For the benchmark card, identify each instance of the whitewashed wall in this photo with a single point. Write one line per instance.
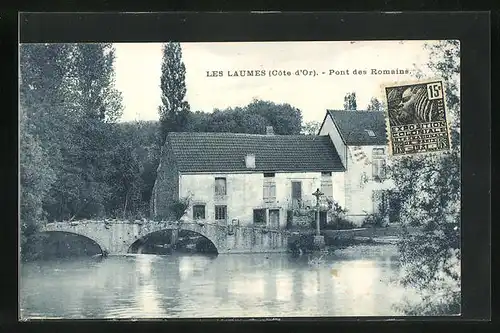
(330, 130)
(359, 184)
(245, 192)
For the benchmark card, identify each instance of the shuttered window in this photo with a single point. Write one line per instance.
(220, 186)
(269, 190)
(378, 163)
(327, 185)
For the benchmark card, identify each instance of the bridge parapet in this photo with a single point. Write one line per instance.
(116, 236)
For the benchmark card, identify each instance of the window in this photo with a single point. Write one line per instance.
(199, 212)
(259, 216)
(378, 152)
(269, 188)
(378, 164)
(221, 213)
(220, 186)
(327, 188)
(269, 194)
(370, 132)
(326, 173)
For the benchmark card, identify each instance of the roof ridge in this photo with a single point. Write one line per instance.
(245, 134)
(334, 110)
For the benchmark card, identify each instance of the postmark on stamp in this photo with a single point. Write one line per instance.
(417, 118)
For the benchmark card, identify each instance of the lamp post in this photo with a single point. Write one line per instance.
(319, 240)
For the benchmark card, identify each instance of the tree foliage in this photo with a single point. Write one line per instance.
(311, 127)
(375, 105)
(252, 119)
(174, 111)
(69, 105)
(36, 177)
(429, 188)
(95, 78)
(350, 103)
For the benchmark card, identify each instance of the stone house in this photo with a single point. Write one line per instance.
(248, 179)
(360, 139)
(266, 179)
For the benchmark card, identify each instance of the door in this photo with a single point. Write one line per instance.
(274, 218)
(296, 193)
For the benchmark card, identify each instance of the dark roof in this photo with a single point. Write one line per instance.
(354, 127)
(220, 152)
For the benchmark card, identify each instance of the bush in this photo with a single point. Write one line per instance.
(375, 220)
(303, 242)
(178, 208)
(340, 223)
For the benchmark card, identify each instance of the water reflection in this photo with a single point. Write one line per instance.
(151, 286)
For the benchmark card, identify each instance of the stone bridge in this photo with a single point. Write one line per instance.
(116, 237)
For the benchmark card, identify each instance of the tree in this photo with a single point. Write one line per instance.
(94, 77)
(350, 101)
(375, 105)
(70, 101)
(36, 178)
(284, 118)
(429, 188)
(251, 119)
(47, 97)
(311, 128)
(135, 159)
(174, 111)
(100, 105)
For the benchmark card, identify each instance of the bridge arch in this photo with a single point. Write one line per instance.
(204, 245)
(94, 231)
(102, 248)
(208, 232)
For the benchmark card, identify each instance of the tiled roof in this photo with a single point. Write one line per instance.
(226, 152)
(355, 127)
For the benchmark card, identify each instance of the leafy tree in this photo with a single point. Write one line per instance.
(375, 105)
(70, 101)
(429, 188)
(311, 127)
(174, 111)
(284, 118)
(95, 81)
(48, 103)
(350, 101)
(36, 178)
(251, 119)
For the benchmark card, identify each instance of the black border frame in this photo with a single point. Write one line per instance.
(472, 29)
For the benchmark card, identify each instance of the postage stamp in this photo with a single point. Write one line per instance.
(417, 119)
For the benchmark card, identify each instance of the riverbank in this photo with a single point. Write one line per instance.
(338, 239)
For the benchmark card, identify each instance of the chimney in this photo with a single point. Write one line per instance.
(269, 130)
(250, 161)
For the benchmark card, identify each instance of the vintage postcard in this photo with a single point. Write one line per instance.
(239, 179)
(417, 121)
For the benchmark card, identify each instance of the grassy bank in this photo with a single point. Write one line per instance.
(335, 239)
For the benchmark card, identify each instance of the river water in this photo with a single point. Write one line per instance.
(356, 281)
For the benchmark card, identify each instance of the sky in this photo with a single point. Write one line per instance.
(138, 70)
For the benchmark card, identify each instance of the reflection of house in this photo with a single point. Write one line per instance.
(360, 138)
(258, 179)
(253, 178)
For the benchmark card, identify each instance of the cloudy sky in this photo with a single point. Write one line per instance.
(138, 70)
